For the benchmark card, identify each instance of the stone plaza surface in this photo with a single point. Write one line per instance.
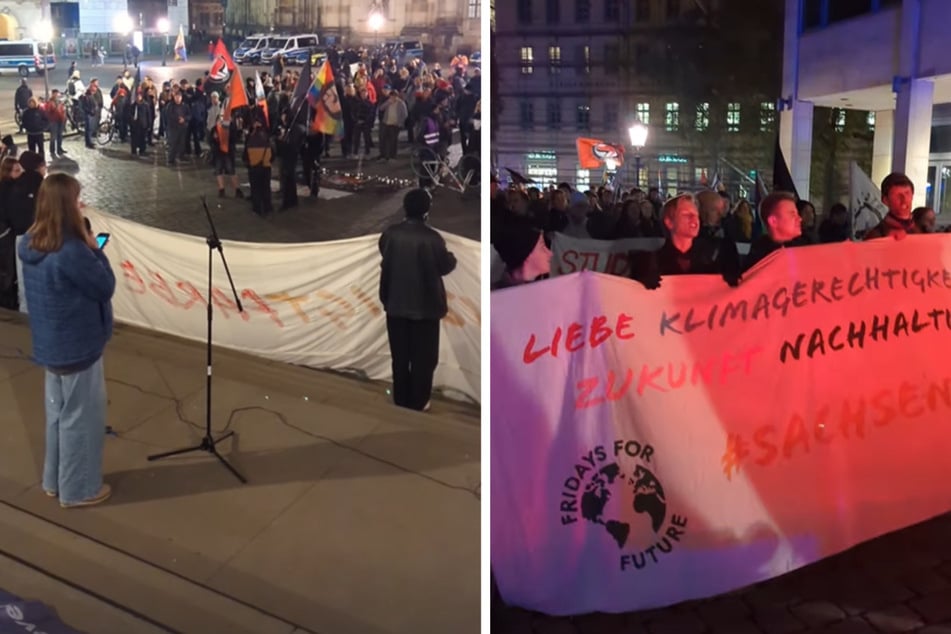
(358, 517)
(900, 582)
(147, 191)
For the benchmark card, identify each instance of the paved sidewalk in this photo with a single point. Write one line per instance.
(900, 582)
(359, 517)
(149, 192)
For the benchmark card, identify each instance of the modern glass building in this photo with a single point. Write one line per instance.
(889, 57)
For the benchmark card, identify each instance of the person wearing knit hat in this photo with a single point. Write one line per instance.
(415, 259)
(523, 250)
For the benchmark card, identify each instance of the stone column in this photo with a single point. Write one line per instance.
(795, 120)
(795, 140)
(912, 134)
(882, 145)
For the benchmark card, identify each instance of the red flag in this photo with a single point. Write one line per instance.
(225, 78)
(592, 153)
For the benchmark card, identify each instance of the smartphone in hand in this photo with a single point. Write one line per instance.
(102, 239)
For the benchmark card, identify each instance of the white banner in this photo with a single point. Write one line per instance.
(653, 447)
(571, 255)
(312, 304)
(866, 208)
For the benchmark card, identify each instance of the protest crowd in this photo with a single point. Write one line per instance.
(357, 103)
(699, 231)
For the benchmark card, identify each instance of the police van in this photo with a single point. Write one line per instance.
(285, 44)
(249, 51)
(26, 56)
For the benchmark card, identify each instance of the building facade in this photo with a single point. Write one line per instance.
(888, 60)
(446, 26)
(591, 68)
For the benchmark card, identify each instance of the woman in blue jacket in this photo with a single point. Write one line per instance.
(69, 286)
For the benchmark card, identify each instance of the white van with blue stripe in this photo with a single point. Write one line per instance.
(26, 56)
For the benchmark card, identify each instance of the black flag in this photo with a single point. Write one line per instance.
(782, 179)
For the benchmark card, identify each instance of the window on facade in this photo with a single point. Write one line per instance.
(554, 59)
(642, 11)
(526, 115)
(612, 11)
(474, 9)
(733, 117)
(839, 120)
(611, 111)
(612, 58)
(673, 9)
(845, 9)
(527, 59)
(584, 59)
(582, 11)
(644, 113)
(554, 114)
(767, 116)
(583, 180)
(703, 116)
(811, 14)
(672, 116)
(641, 61)
(524, 11)
(870, 121)
(583, 117)
(553, 13)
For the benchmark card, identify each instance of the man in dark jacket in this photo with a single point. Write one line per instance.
(257, 156)
(21, 99)
(177, 117)
(415, 259)
(897, 194)
(684, 253)
(783, 227)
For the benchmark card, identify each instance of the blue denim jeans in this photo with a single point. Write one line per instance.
(75, 432)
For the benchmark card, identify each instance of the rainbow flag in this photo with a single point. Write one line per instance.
(323, 98)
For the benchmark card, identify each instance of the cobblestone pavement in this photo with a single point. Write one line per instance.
(900, 582)
(147, 191)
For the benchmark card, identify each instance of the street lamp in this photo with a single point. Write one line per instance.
(44, 33)
(638, 133)
(163, 27)
(376, 20)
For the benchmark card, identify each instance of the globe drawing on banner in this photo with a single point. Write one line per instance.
(614, 489)
(609, 492)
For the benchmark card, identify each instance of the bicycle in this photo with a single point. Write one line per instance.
(106, 129)
(430, 165)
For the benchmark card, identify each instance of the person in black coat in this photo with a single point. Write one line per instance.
(36, 124)
(415, 259)
(685, 252)
(783, 227)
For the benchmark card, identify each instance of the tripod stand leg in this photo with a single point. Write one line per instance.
(228, 466)
(176, 452)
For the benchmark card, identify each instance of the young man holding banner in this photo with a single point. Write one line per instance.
(783, 227)
(897, 194)
(684, 253)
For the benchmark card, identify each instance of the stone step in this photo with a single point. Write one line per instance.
(97, 589)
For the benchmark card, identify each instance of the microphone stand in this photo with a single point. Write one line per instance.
(208, 443)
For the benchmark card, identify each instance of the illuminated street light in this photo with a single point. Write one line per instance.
(163, 27)
(376, 21)
(43, 31)
(123, 24)
(638, 134)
